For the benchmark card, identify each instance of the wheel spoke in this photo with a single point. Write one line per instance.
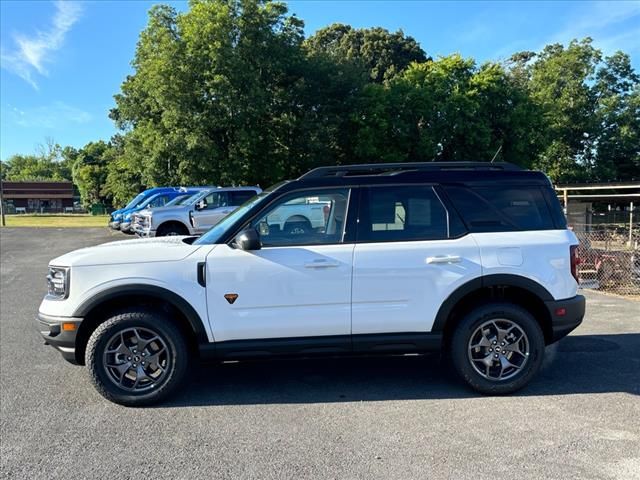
(141, 375)
(505, 364)
(122, 347)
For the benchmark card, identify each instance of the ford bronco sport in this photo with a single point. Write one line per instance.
(472, 259)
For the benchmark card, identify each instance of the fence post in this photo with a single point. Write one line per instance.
(631, 225)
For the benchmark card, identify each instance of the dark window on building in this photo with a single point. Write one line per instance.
(402, 213)
(495, 209)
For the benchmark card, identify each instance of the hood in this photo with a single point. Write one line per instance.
(143, 250)
(169, 209)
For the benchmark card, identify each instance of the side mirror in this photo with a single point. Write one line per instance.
(248, 239)
(201, 205)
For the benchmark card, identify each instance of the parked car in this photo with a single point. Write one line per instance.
(471, 259)
(195, 216)
(117, 215)
(155, 201)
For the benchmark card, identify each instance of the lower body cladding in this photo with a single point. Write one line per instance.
(566, 315)
(60, 333)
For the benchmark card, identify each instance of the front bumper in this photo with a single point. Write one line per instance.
(125, 226)
(565, 315)
(60, 333)
(114, 225)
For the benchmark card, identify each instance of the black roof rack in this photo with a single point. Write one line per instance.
(396, 168)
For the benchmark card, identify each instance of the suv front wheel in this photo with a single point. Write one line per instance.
(498, 348)
(137, 357)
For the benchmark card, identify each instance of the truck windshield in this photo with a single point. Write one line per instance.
(214, 235)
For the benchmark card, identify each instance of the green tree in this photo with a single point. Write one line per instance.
(380, 53)
(90, 171)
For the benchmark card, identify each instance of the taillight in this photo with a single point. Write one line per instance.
(573, 253)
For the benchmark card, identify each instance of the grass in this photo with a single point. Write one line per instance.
(57, 220)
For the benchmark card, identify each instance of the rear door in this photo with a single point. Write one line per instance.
(411, 254)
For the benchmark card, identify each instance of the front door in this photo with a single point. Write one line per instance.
(297, 285)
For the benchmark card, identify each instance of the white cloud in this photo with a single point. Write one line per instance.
(31, 53)
(58, 114)
(605, 23)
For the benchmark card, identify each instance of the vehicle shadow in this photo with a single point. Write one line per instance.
(577, 364)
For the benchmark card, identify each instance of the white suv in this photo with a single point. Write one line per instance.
(472, 259)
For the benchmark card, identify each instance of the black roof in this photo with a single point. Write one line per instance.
(468, 173)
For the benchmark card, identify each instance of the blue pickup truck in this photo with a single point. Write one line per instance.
(151, 198)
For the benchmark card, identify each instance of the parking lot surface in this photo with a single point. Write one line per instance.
(399, 417)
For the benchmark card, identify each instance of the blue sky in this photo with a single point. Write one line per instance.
(62, 62)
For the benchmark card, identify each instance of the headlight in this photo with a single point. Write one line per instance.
(58, 282)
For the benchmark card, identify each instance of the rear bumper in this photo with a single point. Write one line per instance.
(55, 334)
(565, 315)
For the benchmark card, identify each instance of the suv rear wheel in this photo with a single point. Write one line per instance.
(137, 357)
(498, 348)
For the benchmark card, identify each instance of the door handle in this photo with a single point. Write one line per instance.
(321, 264)
(444, 259)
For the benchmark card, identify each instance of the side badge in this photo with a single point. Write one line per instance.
(231, 297)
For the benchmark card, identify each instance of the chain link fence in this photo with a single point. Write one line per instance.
(609, 257)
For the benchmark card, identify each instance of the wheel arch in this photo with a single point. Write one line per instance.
(168, 223)
(516, 289)
(99, 307)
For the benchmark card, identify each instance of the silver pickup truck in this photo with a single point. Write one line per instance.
(195, 216)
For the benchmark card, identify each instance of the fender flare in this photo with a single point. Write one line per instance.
(502, 279)
(147, 290)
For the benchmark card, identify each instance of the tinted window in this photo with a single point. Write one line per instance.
(238, 198)
(492, 209)
(402, 213)
(304, 218)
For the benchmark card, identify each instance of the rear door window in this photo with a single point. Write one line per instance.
(402, 213)
(237, 198)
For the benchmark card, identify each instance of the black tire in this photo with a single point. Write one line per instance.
(176, 358)
(172, 229)
(469, 326)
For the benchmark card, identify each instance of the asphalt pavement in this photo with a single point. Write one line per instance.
(363, 418)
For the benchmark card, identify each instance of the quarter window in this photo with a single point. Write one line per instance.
(402, 213)
(305, 218)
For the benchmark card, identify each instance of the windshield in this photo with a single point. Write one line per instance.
(137, 199)
(214, 235)
(148, 200)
